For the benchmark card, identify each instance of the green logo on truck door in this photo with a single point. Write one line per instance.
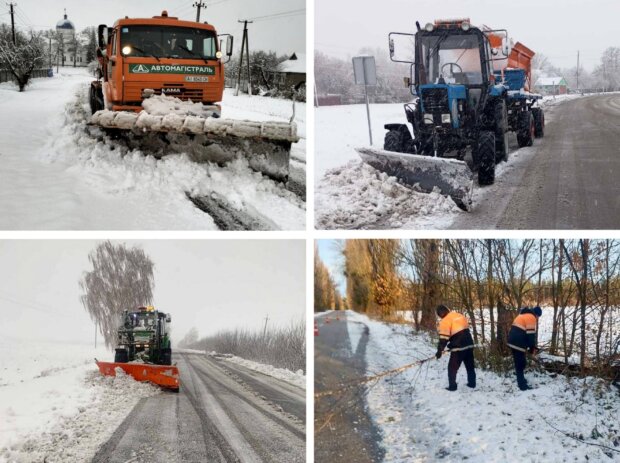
(170, 69)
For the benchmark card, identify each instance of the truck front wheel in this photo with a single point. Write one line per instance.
(525, 134)
(539, 122)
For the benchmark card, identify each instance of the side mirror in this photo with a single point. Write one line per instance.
(506, 46)
(229, 45)
(168, 319)
(391, 46)
(407, 81)
(102, 35)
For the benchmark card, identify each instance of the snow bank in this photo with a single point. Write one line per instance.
(54, 403)
(296, 378)
(420, 421)
(359, 196)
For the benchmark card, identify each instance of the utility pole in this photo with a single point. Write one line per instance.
(199, 5)
(577, 70)
(12, 11)
(245, 46)
(265, 329)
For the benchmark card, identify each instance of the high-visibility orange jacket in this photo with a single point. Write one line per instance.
(522, 334)
(454, 332)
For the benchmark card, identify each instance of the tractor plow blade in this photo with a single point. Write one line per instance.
(266, 145)
(452, 177)
(166, 376)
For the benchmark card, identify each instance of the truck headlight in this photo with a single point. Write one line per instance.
(429, 27)
(428, 118)
(126, 50)
(218, 54)
(445, 118)
(465, 26)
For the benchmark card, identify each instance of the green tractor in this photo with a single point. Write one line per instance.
(143, 337)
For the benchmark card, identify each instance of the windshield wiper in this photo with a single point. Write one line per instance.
(145, 53)
(435, 49)
(183, 47)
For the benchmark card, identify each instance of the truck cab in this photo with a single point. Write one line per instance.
(140, 57)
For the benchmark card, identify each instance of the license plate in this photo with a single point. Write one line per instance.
(196, 79)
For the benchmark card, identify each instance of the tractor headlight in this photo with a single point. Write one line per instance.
(428, 118)
(126, 50)
(218, 54)
(465, 26)
(429, 27)
(445, 118)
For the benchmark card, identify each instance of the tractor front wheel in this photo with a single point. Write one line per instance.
(166, 356)
(525, 134)
(485, 157)
(501, 129)
(121, 356)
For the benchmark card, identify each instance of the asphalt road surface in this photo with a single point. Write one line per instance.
(343, 431)
(568, 180)
(222, 413)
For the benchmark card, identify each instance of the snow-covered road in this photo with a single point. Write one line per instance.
(222, 413)
(419, 421)
(566, 180)
(54, 176)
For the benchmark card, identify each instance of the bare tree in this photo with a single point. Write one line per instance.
(121, 279)
(23, 57)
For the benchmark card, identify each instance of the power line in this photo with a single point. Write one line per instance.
(277, 15)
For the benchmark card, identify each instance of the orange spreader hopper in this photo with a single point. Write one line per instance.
(166, 376)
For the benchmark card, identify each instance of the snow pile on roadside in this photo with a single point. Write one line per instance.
(112, 169)
(55, 403)
(421, 421)
(190, 351)
(296, 378)
(359, 196)
(77, 437)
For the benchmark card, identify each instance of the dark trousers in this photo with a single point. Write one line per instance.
(520, 362)
(456, 358)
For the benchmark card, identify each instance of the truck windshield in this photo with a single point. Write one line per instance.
(168, 42)
(456, 58)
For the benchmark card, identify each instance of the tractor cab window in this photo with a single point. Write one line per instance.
(453, 58)
(168, 42)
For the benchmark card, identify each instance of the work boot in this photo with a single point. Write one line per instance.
(451, 388)
(473, 386)
(525, 387)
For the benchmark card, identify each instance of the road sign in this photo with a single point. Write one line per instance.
(365, 73)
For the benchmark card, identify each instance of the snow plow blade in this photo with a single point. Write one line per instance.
(166, 376)
(452, 177)
(266, 145)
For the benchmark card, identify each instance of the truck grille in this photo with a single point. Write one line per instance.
(193, 94)
(435, 100)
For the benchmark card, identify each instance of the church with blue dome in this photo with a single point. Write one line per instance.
(70, 49)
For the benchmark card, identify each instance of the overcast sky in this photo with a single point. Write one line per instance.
(210, 284)
(556, 28)
(284, 34)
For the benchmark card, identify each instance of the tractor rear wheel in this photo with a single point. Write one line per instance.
(166, 356)
(485, 157)
(525, 134)
(539, 122)
(120, 356)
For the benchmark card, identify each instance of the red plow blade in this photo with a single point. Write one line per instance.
(166, 376)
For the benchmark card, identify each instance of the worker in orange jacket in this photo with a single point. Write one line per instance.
(521, 339)
(454, 334)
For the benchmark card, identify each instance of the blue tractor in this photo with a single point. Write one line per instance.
(471, 88)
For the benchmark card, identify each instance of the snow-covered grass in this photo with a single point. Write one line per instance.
(56, 176)
(422, 422)
(296, 378)
(54, 403)
(351, 194)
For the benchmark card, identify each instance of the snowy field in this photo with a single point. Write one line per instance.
(350, 194)
(55, 404)
(422, 422)
(56, 176)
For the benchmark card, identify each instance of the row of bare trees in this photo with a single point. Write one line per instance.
(576, 281)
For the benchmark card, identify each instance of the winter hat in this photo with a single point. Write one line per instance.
(537, 311)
